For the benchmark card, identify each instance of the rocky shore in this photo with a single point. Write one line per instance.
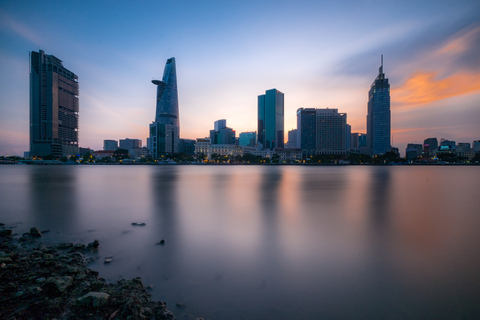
(54, 282)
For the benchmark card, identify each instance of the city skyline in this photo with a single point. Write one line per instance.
(431, 58)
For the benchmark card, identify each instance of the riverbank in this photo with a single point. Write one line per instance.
(47, 282)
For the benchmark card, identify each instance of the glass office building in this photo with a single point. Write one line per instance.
(271, 119)
(54, 107)
(378, 117)
(165, 130)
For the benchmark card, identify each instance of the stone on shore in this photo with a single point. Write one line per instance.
(94, 299)
(5, 233)
(39, 282)
(93, 245)
(138, 224)
(34, 232)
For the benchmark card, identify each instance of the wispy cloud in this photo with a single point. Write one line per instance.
(424, 87)
(444, 72)
(20, 29)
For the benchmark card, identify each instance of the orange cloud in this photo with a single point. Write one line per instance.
(422, 88)
(460, 42)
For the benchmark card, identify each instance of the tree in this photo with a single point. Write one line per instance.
(88, 158)
(120, 154)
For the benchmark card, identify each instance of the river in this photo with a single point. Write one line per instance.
(269, 242)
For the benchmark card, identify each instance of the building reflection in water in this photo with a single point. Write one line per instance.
(53, 197)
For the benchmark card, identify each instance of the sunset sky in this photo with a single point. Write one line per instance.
(318, 53)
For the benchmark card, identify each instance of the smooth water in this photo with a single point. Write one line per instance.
(269, 242)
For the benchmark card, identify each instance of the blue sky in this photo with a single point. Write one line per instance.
(318, 53)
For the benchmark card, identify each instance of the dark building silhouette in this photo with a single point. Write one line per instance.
(378, 117)
(221, 134)
(306, 130)
(54, 107)
(271, 119)
(430, 147)
(165, 130)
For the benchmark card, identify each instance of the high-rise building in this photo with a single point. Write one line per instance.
(354, 141)
(322, 131)
(130, 143)
(348, 133)
(306, 130)
(54, 107)
(378, 117)
(110, 144)
(430, 147)
(247, 139)
(292, 139)
(331, 132)
(165, 130)
(220, 124)
(271, 119)
(222, 134)
(413, 151)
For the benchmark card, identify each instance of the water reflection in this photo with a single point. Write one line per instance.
(280, 242)
(164, 198)
(53, 197)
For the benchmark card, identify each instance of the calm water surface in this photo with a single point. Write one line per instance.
(270, 242)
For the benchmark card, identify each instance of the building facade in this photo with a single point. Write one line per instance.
(110, 144)
(54, 107)
(221, 134)
(306, 130)
(271, 114)
(379, 117)
(164, 133)
(247, 139)
(292, 139)
(430, 147)
(331, 132)
(321, 131)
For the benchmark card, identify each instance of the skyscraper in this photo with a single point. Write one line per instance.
(321, 131)
(221, 134)
(331, 133)
(306, 130)
(378, 117)
(165, 130)
(271, 119)
(53, 107)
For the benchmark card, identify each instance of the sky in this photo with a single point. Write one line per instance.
(320, 54)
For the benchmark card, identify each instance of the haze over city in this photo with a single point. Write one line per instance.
(319, 54)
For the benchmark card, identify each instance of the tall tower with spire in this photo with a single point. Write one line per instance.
(379, 116)
(165, 130)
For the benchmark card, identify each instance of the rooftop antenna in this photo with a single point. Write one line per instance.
(381, 65)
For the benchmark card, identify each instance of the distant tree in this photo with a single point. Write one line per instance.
(121, 154)
(49, 157)
(448, 157)
(74, 158)
(359, 158)
(88, 158)
(275, 158)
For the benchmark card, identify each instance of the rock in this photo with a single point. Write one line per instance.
(94, 299)
(45, 231)
(180, 305)
(41, 280)
(139, 224)
(93, 245)
(5, 259)
(57, 285)
(162, 242)
(63, 246)
(5, 233)
(34, 232)
(108, 259)
(78, 247)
